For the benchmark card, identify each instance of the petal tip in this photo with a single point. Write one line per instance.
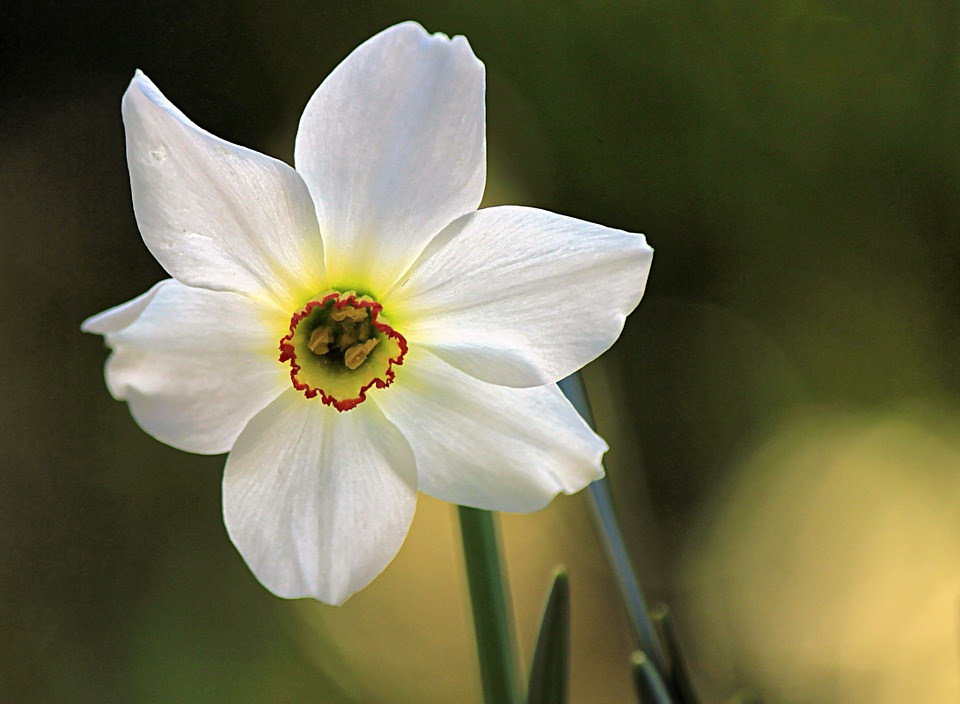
(140, 82)
(90, 325)
(140, 88)
(416, 33)
(315, 592)
(120, 316)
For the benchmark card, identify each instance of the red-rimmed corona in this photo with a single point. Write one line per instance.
(339, 346)
(420, 339)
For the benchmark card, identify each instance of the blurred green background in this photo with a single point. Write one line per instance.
(783, 406)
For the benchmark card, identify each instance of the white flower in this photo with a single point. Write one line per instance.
(356, 330)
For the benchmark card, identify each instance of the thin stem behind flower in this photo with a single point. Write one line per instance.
(601, 502)
(490, 602)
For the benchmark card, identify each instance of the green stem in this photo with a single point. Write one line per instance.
(489, 598)
(606, 518)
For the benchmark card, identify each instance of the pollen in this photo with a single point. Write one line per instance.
(353, 315)
(339, 346)
(320, 340)
(357, 354)
(345, 335)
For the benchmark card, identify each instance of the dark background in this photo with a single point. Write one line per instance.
(782, 407)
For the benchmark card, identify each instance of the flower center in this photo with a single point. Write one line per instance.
(339, 346)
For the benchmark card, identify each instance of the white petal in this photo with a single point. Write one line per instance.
(119, 317)
(490, 446)
(195, 366)
(519, 296)
(318, 502)
(216, 215)
(392, 146)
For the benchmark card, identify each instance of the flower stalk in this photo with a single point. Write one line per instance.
(601, 503)
(490, 603)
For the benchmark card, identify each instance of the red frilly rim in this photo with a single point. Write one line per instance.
(288, 352)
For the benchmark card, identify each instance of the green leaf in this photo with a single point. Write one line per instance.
(677, 672)
(548, 673)
(647, 681)
(492, 620)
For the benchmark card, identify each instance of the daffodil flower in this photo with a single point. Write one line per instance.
(355, 330)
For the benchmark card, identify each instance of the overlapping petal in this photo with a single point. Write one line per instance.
(392, 146)
(318, 502)
(521, 297)
(194, 365)
(117, 318)
(214, 214)
(488, 446)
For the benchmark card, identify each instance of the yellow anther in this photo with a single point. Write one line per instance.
(354, 315)
(347, 338)
(320, 339)
(357, 355)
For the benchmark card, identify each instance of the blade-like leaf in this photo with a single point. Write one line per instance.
(490, 601)
(548, 673)
(647, 681)
(677, 672)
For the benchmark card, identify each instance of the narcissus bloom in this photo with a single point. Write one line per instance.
(355, 330)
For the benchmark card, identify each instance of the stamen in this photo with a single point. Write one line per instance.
(357, 355)
(320, 340)
(353, 314)
(347, 338)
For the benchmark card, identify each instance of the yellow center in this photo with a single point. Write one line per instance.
(339, 346)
